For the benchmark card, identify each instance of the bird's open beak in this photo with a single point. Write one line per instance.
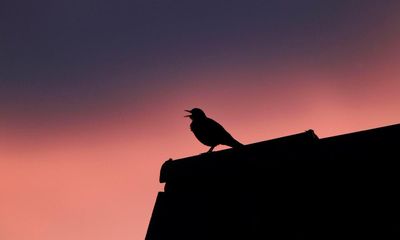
(188, 112)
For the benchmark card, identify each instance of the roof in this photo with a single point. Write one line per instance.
(294, 187)
(231, 160)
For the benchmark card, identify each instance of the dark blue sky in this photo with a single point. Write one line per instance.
(70, 58)
(76, 48)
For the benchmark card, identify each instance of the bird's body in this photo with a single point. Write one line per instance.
(209, 132)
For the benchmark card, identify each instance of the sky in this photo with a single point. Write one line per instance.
(92, 95)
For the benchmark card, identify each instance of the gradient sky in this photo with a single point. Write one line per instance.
(92, 95)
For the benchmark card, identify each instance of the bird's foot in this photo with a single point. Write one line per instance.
(211, 149)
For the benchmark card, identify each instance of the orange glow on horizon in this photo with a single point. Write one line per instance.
(110, 170)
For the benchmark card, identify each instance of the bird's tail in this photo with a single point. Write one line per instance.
(235, 143)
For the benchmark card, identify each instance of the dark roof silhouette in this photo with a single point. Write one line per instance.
(294, 187)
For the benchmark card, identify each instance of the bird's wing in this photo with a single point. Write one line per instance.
(217, 131)
(221, 135)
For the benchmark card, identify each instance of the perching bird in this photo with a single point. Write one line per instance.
(208, 131)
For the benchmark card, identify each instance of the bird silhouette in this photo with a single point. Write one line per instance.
(208, 131)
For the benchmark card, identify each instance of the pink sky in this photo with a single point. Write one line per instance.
(98, 179)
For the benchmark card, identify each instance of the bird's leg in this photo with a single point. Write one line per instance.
(211, 149)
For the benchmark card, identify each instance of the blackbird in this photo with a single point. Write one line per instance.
(208, 131)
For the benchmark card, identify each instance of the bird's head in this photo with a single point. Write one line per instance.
(196, 113)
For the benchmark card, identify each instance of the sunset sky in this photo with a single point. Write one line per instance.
(92, 95)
